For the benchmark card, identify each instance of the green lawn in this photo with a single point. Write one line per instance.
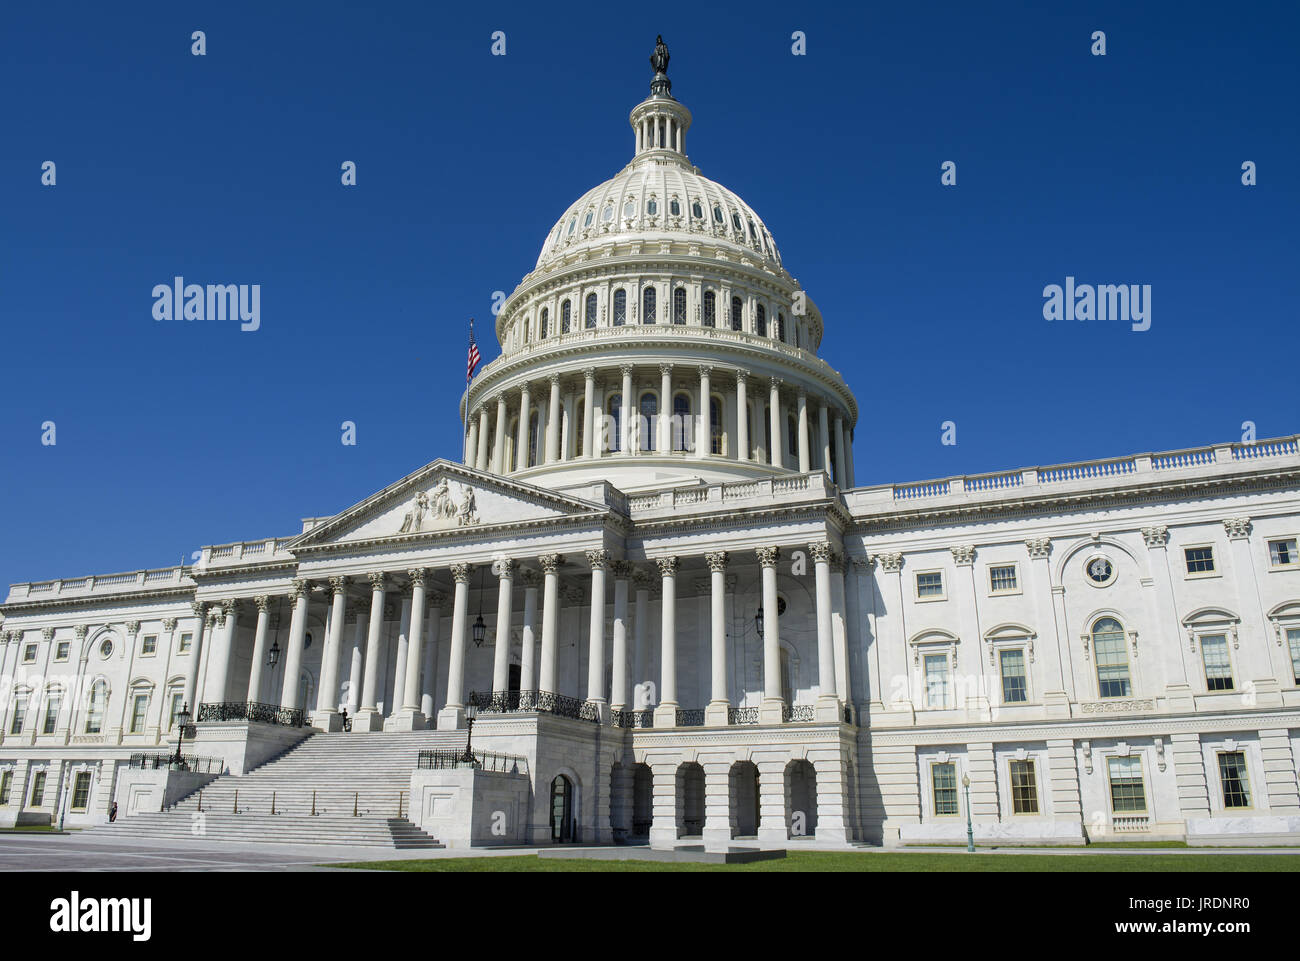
(870, 861)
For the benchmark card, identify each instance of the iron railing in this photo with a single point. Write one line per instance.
(632, 718)
(546, 702)
(482, 760)
(252, 711)
(797, 712)
(690, 718)
(742, 715)
(167, 762)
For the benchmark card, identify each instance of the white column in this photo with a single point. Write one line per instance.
(259, 647)
(327, 695)
(550, 621)
(527, 654)
(293, 652)
(840, 474)
(399, 657)
(452, 716)
(640, 645)
(356, 660)
(628, 412)
(588, 411)
(666, 712)
(504, 569)
(663, 442)
(742, 416)
(521, 431)
(409, 717)
(215, 685)
(848, 457)
(481, 454)
(824, 436)
(828, 705)
(471, 441)
(596, 635)
(618, 676)
(720, 696)
(805, 449)
(771, 711)
(704, 439)
(368, 717)
(774, 421)
(429, 675)
(499, 448)
(553, 422)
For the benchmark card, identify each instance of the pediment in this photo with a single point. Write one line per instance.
(445, 498)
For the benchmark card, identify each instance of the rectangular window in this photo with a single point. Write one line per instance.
(174, 710)
(38, 789)
(1200, 560)
(1112, 664)
(139, 705)
(1127, 792)
(150, 644)
(929, 585)
(6, 785)
(51, 715)
(1024, 788)
(81, 791)
(1218, 669)
(20, 716)
(937, 681)
(1282, 553)
(1293, 639)
(1014, 688)
(186, 640)
(29, 654)
(944, 779)
(1002, 579)
(62, 650)
(1234, 780)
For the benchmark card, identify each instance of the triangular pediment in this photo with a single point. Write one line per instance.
(445, 498)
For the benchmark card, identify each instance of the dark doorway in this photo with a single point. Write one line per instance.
(562, 830)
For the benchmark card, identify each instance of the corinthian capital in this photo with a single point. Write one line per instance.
(1156, 536)
(717, 562)
(551, 563)
(768, 556)
(597, 559)
(667, 566)
(892, 562)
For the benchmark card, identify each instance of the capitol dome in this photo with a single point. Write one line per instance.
(663, 287)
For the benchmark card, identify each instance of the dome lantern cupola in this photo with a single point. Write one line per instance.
(660, 122)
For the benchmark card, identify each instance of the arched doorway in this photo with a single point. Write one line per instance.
(744, 799)
(801, 799)
(642, 800)
(562, 826)
(690, 800)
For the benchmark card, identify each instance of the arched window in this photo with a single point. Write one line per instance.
(589, 321)
(792, 435)
(566, 310)
(715, 426)
(95, 710)
(780, 327)
(1109, 648)
(679, 305)
(710, 309)
(697, 211)
(675, 207)
(651, 207)
(760, 321)
(546, 317)
(562, 814)
(615, 408)
(649, 420)
(534, 424)
(620, 307)
(648, 306)
(682, 422)
(717, 213)
(737, 314)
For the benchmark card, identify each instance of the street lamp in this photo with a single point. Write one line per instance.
(480, 630)
(970, 831)
(758, 621)
(273, 655)
(182, 716)
(471, 712)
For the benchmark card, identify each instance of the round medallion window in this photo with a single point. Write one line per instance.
(1100, 570)
(106, 649)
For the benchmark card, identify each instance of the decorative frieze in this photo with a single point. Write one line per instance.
(1125, 706)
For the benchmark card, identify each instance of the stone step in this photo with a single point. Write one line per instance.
(382, 832)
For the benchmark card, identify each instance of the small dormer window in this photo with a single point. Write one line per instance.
(697, 211)
(752, 235)
(629, 208)
(675, 207)
(591, 215)
(735, 222)
(717, 214)
(572, 223)
(608, 213)
(651, 207)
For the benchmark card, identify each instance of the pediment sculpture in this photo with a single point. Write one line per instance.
(440, 504)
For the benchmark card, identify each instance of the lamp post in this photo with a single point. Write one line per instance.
(182, 716)
(970, 831)
(758, 622)
(471, 712)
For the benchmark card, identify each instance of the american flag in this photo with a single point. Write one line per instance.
(474, 357)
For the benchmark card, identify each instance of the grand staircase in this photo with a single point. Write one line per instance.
(329, 789)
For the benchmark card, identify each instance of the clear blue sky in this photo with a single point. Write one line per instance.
(225, 169)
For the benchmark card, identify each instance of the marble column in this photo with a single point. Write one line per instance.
(301, 595)
(521, 429)
(356, 658)
(663, 440)
(192, 675)
(589, 412)
(429, 675)
(393, 705)
(742, 416)
(596, 636)
(481, 454)
(841, 475)
(618, 676)
(499, 448)
(259, 647)
(471, 440)
(719, 697)
(774, 422)
(824, 439)
(550, 622)
(627, 413)
(666, 711)
(504, 569)
(553, 422)
(214, 686)
(828, 705)
(640, 653)
(805, 448)
(327, 696)
(848, 457)
(704, 437)
(452, 716)
(528, 635)
(772, 709)
(368, 717)
(409, 717)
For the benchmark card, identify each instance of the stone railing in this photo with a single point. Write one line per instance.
(262, 550)
(102, 584)
(1128, 823)
(814, 483)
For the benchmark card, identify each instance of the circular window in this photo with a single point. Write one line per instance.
(106, 649)
(1100, 570)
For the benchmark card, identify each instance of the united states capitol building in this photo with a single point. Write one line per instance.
(651, 596)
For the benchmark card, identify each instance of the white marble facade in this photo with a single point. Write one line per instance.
(1109, 647)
